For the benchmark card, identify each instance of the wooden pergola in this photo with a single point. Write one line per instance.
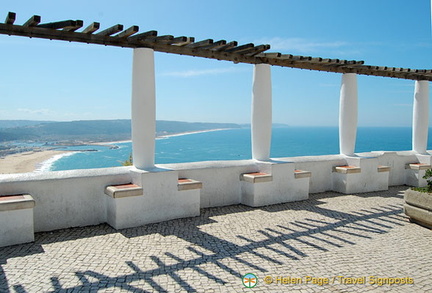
(67, 30)
(143, 102)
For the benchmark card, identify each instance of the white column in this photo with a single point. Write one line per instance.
(261, 112)
(420, 116)
(348, 113)
(143, 108)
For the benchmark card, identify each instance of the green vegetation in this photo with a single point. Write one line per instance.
(92, 130)
(427, 188)
(128, 162)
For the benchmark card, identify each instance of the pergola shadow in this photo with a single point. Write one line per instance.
(290, 241)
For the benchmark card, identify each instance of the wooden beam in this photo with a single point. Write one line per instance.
(91, 28)
(286, 56)
(10, 18)
(159, 39)
(111, 30)
(33, 21)
(355, 62)
(58, 24)
(142, 36)
(200, 43)
(299, 58)
(269, 55)
(78, 24)
(128, 32)
(239, 49)
(215, 45)
(317, 60)
(329, 61)
(163, 39)
(256, 50)
(227, 46)
(181, 41)
(201, 49)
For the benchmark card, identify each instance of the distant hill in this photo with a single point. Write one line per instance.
(92, 130)
(19, 123)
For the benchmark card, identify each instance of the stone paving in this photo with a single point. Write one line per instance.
(331, 242)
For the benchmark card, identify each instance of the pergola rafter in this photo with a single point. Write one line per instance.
(221, 50)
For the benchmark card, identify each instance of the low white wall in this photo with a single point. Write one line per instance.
(221, 179)
(321, 168)
(66, 198)
(76, 198)
(396, 161)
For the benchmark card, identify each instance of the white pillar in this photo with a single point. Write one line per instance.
(261, 112)
(348, 113)
(420, 116)
(143, 108)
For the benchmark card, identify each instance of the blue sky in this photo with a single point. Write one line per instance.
(55, 80)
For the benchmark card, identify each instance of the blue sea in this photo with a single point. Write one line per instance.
(235, 144)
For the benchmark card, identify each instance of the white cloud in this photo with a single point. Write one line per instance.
(35, 111)
(201, 72)
(300, 44)
(305, 46)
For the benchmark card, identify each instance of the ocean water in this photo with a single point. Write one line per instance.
(234, 144)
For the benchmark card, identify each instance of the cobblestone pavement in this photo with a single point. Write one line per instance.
(334, 236)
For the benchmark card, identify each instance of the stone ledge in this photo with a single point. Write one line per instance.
(188, 184)
(383, 169)
(419, 215)
(347, 169)
(418, 199)
(256, 177)
(302, 174)
(123, 190)
(417, 166)
(16, 202)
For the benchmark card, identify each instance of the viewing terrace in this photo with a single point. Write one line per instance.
(127, 197)
(200, 227)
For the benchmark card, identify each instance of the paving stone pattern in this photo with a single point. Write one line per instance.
(330, 236)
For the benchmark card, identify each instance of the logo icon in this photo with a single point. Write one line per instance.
(249, 280)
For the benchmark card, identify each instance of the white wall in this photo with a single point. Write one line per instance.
(76, 198)
(66, 198)
(321, 168)
(221, 179)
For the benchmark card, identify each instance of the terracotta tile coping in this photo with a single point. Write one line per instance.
(123, 190)
(346, 169)
(124, 186)
(382, 168)
(256, 177)
(16, 202)
(302, 174)
(10, 197)
(417, 166)
(188, 184)
(257, 174)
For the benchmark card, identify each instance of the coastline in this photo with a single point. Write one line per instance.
(27, 161)
(105, 143)
(190, 132)
(41, 161)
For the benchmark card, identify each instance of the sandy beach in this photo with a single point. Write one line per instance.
(190, 132)
(30, 161)
(25, 162)
(105, 143)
